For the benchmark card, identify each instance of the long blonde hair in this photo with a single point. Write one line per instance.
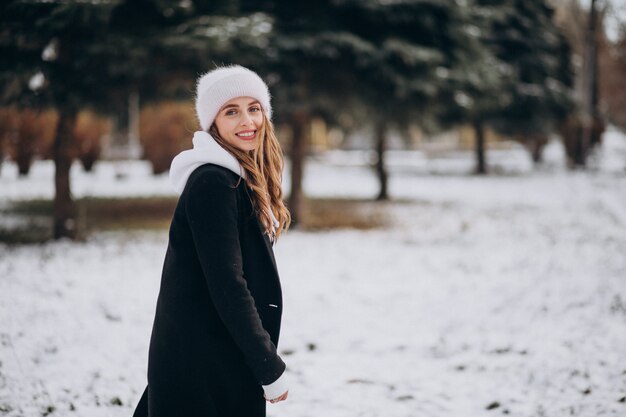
(264, 168)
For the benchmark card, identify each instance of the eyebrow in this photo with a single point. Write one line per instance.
(236, 105)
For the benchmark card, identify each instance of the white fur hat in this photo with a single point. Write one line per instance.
(218, 86)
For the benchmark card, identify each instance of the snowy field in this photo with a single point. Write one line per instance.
(502, 295)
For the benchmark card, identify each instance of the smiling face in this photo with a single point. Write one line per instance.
(239, 121)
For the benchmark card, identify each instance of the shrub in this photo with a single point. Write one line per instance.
(165, 130)
(27, 133)
(88, 133)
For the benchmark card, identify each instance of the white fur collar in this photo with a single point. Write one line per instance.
(205, 150)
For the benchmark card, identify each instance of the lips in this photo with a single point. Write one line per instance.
(246, 134)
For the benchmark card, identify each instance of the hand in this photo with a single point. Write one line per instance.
(278, 399)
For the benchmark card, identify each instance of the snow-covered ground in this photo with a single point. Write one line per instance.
(487, 296)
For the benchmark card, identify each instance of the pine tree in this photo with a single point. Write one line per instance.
(49, 50)
(535, 92)
(382, 64)
(310, 62)
(74, 55)
(423, 46)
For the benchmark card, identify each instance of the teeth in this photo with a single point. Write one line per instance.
(247, 135)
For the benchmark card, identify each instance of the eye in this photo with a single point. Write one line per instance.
(255, 108)
(230, 112)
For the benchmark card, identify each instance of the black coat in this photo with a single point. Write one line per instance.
(219, 308)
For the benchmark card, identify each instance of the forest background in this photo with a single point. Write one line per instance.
(115, 79)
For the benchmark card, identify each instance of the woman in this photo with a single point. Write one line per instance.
(216, 327)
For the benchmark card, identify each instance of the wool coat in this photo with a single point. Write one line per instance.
(218, 312)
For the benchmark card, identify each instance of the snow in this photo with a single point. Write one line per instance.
(486, 296)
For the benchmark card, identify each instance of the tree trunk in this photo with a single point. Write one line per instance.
(64, 208)
(590, 87)
(88, 159)
(299, 122)
(381, 170)
(479, 131)
(24, 160)
(134, 145)
(579, 150)
(535, 145)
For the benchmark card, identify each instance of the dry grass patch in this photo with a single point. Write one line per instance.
(126, 213)
(342, 213)
(35, 221)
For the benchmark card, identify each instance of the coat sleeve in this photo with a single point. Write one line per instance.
(211, 209)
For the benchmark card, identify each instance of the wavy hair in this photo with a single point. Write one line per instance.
(264, 168)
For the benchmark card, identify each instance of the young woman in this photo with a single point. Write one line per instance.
(217, 322)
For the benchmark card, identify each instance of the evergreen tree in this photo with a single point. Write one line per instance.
(49, 51)
(422, 45)
(533, 64)
(310, 63)
(380, 63)
(72, 55)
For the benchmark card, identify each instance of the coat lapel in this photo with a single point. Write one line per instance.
(268, 244)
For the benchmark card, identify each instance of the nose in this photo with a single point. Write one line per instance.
(246, 119)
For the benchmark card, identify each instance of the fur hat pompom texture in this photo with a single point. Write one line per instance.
(222, 84)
